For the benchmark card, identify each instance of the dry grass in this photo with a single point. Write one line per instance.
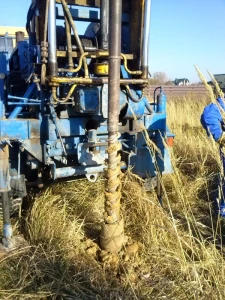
(180, 246)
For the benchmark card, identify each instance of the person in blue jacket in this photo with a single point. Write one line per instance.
(213, 123)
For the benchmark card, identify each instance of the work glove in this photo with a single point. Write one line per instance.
(221, 140)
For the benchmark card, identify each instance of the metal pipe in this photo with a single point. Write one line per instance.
(69, 43)
(23, 104)
(7, 228)
(5, 208)
(127, 69)
(97, 80)
(52, 48)
(4, 189)
(114, 74)
(23, 99)
(96, 55)
(46, 21)
(78, 67)
(70, 20)
(112, 233)
(80, 170)
(146, 38)
(19, 107)
(104, 17)
(4, 168)
(19, 36)
(54, 94)
(86, 48)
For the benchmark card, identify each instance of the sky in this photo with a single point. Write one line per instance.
(183, 33)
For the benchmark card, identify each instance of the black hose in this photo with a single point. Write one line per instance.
(30, 14)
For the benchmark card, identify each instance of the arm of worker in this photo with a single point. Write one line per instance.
(212, 121)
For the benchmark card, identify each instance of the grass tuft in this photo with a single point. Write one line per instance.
(180, 246)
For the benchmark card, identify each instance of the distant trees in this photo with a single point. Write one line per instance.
(160, 78)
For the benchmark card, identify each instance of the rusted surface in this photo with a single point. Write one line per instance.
(103, 80)
(34, 129)
(112, 233)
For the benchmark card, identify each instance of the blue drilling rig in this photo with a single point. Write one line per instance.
(75, 104)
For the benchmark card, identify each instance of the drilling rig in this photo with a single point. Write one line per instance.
(76, 105)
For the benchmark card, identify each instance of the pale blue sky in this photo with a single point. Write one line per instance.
(183, 33)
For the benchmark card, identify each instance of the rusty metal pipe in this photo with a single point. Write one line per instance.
(54, 94)
(114, 87)
(96, 55)
(46, 21)
(127, 69)
(19, 36)
(146, 37)
(104, 11)
(97, 80)
(69, 43)
(112, 233)
(78, 67)
(52, 54)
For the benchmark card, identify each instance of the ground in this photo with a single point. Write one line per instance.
(174, 252)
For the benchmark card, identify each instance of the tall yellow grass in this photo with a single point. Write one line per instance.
(180, 245)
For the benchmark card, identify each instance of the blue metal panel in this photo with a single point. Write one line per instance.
(136, 109)
(54, 148)
(23, 50)
(155, 122)
(14, 129)
(4, 70)
(72, 127)
(88, 100)
(34, 128)
(143, 163)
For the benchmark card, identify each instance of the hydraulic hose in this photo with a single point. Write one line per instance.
(70, 20)
(69, 43)
(54, 94)
(131, 96)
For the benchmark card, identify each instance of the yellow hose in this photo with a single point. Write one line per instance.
(54, 94)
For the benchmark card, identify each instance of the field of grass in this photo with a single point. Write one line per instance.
(174, 252)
